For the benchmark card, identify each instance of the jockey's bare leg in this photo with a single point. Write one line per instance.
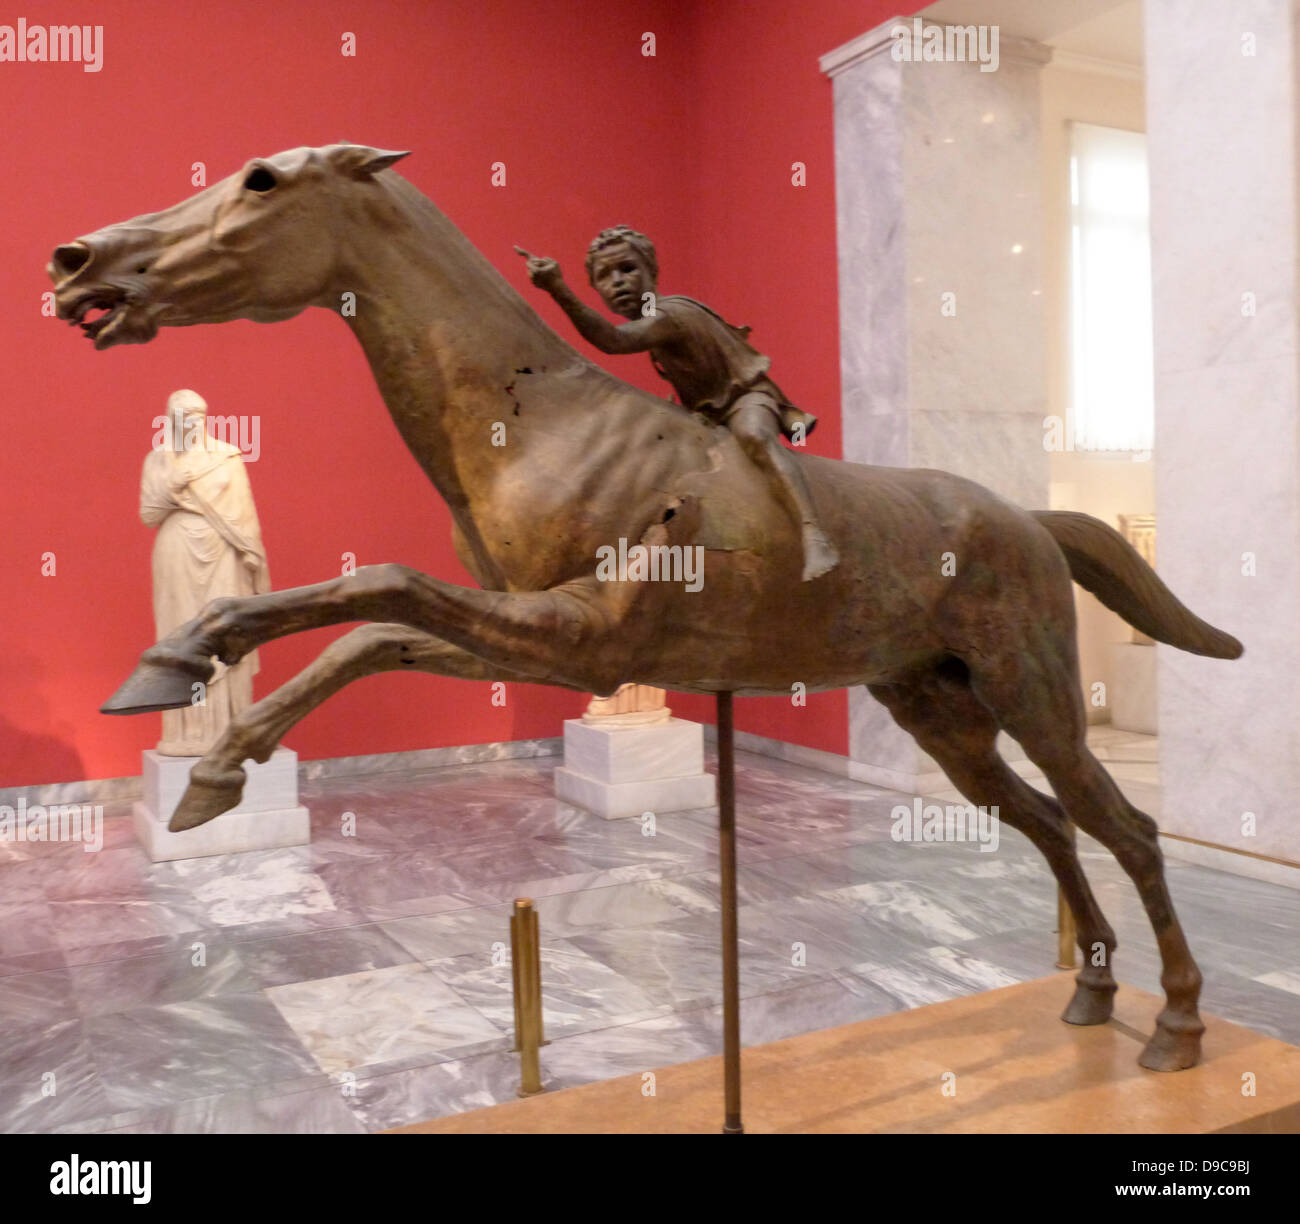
(757, 428)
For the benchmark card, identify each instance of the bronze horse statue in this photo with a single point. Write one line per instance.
(464, 364)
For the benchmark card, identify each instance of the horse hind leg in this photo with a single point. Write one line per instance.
(946, 719)
(1038, 700)
(217, 780)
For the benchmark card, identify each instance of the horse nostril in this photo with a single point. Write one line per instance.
(71, 258)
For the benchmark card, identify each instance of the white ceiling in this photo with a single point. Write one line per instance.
(1101, 29)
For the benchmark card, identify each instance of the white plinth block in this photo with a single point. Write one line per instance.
(267, 817)
(625, 771)
(1133, 701)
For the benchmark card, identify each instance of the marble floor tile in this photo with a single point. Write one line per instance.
(384, 910)
(371, 840)
(314, 1111)
(28, 934)
(93, 928)
(821, 1004)
(1282, 979)
(48, 1076)
(293, 921)
(357, 885)
(504, 892)
(306, 957)
(23, 882)
(510, 864)
(579, 993)
(238, 889)
(804, 875)
(821, 933)
(121, 874)
(351, 985)
(1258, 1006)
(153, 1056)
(1022, 955)
(383, 1016)
(616, 907)
(598, 845)
(907, 910)
(628, 1049)
(200, 969)
(931, 976)
(35, 998)
(42, 961)
(768, 881)
(402, 1098)
(678, 963)
(458, 932)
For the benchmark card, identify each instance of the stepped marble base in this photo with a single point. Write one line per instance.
(268, 816)
(626, 771)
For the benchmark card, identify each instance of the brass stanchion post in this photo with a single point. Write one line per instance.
(526, 970)
(730, 929)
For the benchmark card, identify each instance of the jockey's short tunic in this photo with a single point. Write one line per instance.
(711, 365)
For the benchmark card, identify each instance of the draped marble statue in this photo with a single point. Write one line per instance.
(195, 490)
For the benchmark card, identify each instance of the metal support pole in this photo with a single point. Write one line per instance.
(730, 930)
(526, 969)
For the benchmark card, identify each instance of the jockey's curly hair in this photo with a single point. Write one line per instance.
(617, 234)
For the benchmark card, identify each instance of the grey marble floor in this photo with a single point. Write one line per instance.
(363, 981)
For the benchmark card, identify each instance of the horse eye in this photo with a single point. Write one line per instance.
(259, 179)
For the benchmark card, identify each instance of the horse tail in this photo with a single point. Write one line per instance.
(1104, 562)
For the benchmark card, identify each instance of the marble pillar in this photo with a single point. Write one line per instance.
(1222, 145)
(942, 329)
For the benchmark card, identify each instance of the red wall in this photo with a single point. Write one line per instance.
(693, 145)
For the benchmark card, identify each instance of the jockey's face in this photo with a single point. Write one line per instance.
(620, 276)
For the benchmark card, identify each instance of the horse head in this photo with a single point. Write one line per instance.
(258, 245)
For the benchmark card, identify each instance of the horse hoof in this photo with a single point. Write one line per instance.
(1170, 1050)
(212, 790)
(154, 686)
(1090, 1005)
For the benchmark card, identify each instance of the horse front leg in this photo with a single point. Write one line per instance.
(217, 781)
(565, 635)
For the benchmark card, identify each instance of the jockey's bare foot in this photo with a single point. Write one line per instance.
(819, 555)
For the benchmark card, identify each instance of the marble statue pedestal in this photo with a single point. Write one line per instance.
(267, 817)
(1133, 699)
(626, 771)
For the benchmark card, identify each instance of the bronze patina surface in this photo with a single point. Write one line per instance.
(956, 651)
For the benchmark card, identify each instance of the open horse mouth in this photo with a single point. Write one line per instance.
(118, 324)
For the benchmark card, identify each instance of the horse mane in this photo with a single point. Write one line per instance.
(467, 265)
(476, 276)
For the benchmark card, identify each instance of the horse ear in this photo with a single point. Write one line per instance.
(361, 161)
